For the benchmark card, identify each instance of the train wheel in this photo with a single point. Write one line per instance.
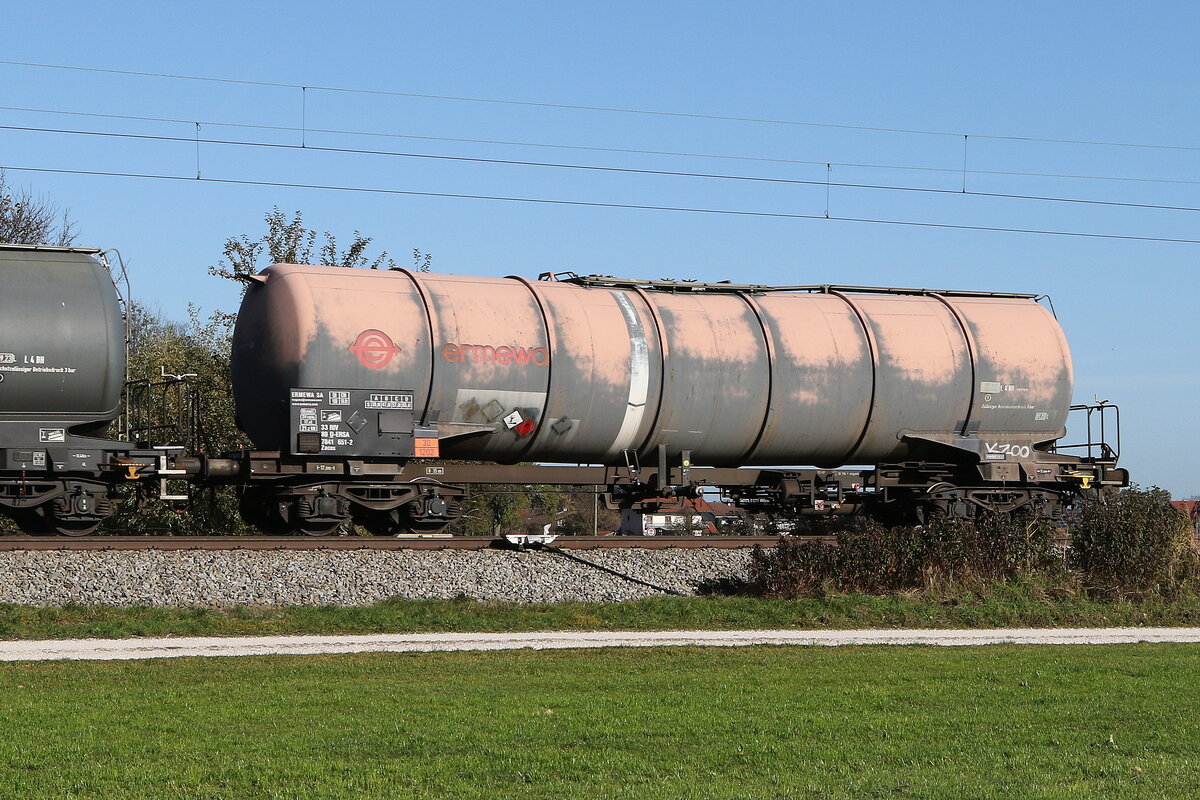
(313, 527)
(422, 525)
(320, 513)
(381, 523)
(77, 513)
(36, 522)
(260, 508)
(75, 528)
(429, 515)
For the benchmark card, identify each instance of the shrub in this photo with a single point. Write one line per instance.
(1134, 543)
(1130, 544)
(945, 555)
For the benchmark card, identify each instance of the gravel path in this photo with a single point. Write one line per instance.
(119, 649)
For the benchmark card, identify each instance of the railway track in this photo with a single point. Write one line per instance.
(10, 543)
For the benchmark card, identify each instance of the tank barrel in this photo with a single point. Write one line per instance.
(512, 370)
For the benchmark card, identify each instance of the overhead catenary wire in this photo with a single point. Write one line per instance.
(605, 109)
(597, 168)
(599, 204)
(306, 129)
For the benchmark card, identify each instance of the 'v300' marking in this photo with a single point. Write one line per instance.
(1014, 450)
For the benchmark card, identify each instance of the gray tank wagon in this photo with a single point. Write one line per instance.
(62, 375)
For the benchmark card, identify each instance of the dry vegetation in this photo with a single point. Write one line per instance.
(1128, 545)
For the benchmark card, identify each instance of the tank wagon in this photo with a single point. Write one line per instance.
(954, 399)
(383, 395)
(62, 371)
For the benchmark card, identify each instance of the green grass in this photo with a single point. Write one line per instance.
(1005, 605)
(902, 722)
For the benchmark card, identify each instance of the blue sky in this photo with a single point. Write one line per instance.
(1098, 72)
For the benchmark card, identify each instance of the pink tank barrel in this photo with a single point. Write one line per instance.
(509, 369)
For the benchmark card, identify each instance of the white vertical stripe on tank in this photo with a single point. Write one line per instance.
(639, 377)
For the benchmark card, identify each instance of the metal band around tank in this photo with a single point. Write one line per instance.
(551, 344)
(639, 376)
(873, 349)
(972, 353)
(432, 349)
(772, 360)
(664, 352)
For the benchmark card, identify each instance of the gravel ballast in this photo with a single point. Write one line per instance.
(217, 578)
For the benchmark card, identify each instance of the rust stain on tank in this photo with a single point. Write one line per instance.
(716, 327)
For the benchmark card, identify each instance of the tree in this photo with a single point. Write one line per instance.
(742, 523)
(289, 242)
(496, 509)
(585, 513)
(27, 219)
(689, 523)
(422, 262)
(198, 348)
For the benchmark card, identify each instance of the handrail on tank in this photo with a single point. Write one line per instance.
(669, 285)
(161, 412)
(53, 248)
(1049, 301)
(124, 298)
(1097, 449)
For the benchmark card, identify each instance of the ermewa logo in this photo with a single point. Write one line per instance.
(374, 349)
(490, 354)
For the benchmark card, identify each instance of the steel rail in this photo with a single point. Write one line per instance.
(18, 543)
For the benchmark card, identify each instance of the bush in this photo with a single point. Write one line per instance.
(1130, 544)
(1134, 543)
(944, 555)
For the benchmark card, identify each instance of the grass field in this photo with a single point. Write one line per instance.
(1004, 605)
(989, 722)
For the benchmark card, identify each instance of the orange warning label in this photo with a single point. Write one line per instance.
(425, 448)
